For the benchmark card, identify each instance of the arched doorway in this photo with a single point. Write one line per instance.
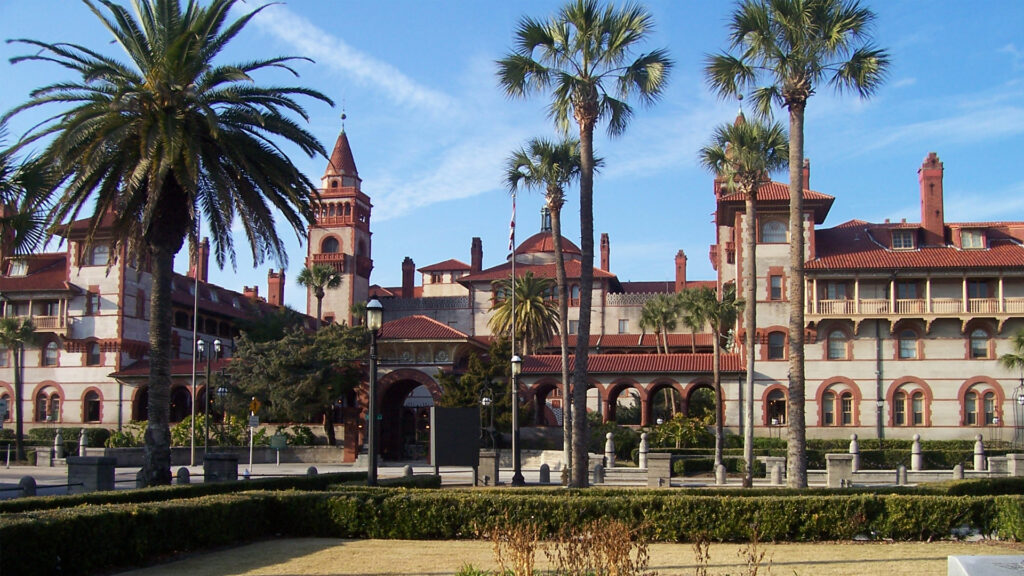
(406, 397)
(701, 401)
(547, 404)
(624, 405)
(666, 401)
(140, 405)
(181, 403)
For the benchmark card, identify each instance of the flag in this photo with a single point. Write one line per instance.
(512, 226)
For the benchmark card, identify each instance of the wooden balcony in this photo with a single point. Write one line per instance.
(54, 324)
(927, 309)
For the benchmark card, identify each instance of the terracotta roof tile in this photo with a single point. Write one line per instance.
(419, 327)
(635, 363)
(542, 242)
(46, 272)
(446, 266)
(776, 193)
(572, 272)
(341, 162)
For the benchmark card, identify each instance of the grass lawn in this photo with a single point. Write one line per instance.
(325, 556)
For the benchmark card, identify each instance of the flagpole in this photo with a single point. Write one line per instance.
(516, 363)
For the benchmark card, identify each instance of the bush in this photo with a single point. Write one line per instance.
(130, 436)
(627, 440)
(298, 436)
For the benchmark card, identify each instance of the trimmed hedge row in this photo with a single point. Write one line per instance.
(77, 541)
(888, 459)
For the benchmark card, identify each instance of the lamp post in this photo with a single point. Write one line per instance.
(201, 345)
(487, 401)
(517, 468)
(222, 394)
(374, 319)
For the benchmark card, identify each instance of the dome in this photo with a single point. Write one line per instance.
(542, 242)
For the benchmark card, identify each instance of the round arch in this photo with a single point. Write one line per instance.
(612, 393)
(53, 395)
(980, 385)
(405, 414)
(774, 404)
(677, 395)
(838, 385)
(910, 385)
(538, 394)
(92, 407)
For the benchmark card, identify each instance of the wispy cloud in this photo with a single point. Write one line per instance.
(904, 82)
(328, 50)
(969, 127)
(1016, 55)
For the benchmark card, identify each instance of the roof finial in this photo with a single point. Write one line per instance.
(343, 119)
(739, 97)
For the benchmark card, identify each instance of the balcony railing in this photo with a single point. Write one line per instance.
(48, 323)
(915, 306)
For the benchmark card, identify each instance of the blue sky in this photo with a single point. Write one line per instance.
(431, 130)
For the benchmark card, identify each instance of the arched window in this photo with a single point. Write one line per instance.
(908, 407)
(846, 409)
(330, 245)
(50, 356)
(574, 295)
(776, 345)
(4, 357)
(828, 409)
(91, 407)
(837, 345)
(92, 354)
(907, 345)
(775, 408)
(979, 406)
(47, 406)
(5, 398)
(979, 340)
(774, 232)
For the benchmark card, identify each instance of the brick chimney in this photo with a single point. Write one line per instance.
(807, 173)
(606, 248)
(408, 278)
(275, 287)
(680, 271)
(932, 220)
(203, 261)
(251, 292)
(476, 256)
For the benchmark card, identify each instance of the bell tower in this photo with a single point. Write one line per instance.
(340, 237)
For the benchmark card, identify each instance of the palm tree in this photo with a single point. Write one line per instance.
(169, 134)
(1015, 359)
(319, 277)
(22, 202)
(721, 315)
(536, 318)
(786, 49)
(574, 55)
(552, 166)
(691, 314)
(660, 314)
(15, 333)
(743, 154)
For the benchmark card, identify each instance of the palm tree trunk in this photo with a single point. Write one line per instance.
(579, 397)
(319, 306)
(19, 408)
(716, 381)
(750, 330)
(156, 465)
(563, 332)
(796, 450)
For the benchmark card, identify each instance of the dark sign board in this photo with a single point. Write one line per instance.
(454, 436)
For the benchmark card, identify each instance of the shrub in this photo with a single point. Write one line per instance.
(129, 436)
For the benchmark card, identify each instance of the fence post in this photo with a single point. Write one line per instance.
(609, 450)
(915, 454)
(855, 450)
(644, 450)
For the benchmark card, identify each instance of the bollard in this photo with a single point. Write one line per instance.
(184, 476)
(598, 474)
(644, 449)
(545, 474)
(720, 475)
(776, 475)
(958, 472)
(915, 454)
(81, 443)
(311, 471)
(27, 485)
(58, 445)
(407, 471)
(979, 453)
(855, 450)
(609, 450)
(901, 475)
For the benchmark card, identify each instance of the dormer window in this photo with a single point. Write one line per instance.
(972, 239)
(18, 268)
(903, 240)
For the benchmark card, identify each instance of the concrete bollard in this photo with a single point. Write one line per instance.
(776, 475)
(407, 471)
(720, 475)
(487, 470)
(545, 474)
(916, 460)
(644, 450)
(901, 475)
(979, 453)
(855, 450)
(609, 450)
(312, 471)
(81, 443)
(598, 474)
(58, 444)
(27, 485)
(958, 472)
(184, 476)
(838, 469)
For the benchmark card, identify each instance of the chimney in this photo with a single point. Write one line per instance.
(476, 256)
(251, 292)
(680, 271)
(408, 277)
(275, 287)
(203, 261)
(605, 252)
(807, 173)
(932, 220)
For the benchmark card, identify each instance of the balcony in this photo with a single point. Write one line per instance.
(928, 309)
(54, 324)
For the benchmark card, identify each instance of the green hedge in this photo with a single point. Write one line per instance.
(81, 537)
(944, 458)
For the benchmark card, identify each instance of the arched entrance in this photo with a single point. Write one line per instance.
(181, 403)
(547, 404)
(624, 405)
(665, 402)
(140, 405)
(700, 401)
(405, 400)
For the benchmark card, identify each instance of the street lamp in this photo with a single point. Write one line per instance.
(487, 401)
(206, 390)
(222, 394)
(517, 468)
(374, 319)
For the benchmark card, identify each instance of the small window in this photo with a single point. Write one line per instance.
(917, 408)
(92, 354)
(775, 287)
(899, 409)
(908, 345)
(776, 345)
(977, 289)
(979, 344)
(774, 232)
(837, 345)
(906, 290)
(436, 277)
(828, 409)
(846, 407)
(903, 239)
(213, 296)
(623, 326)
(988, 402)
(6, 399)
(776, 408)
(972, 239)
(235, 303)
(99, 256)
(92, 303)
(91, 406)
(971, 409)
(574, 326)
(50, 354)
(835, 291)
(18, 268)
(330, 245)
(574, 293)
(4, 357)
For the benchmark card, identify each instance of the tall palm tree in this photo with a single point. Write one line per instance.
(691, 313)
(319, 277)
(15, 333)
(154, 141)
(575, 55)
(552, 166)
(720, 314)
(536, 315)
(742, 155)
(22, 202)
(660, 314)
(784, 50)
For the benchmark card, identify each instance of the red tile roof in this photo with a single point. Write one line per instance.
(635, 363)
(572, 272)
(446, 266)
(419, 328)
(542, 242)
(776, 193)
(341, 162)
(858, 245)
(46, 273)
